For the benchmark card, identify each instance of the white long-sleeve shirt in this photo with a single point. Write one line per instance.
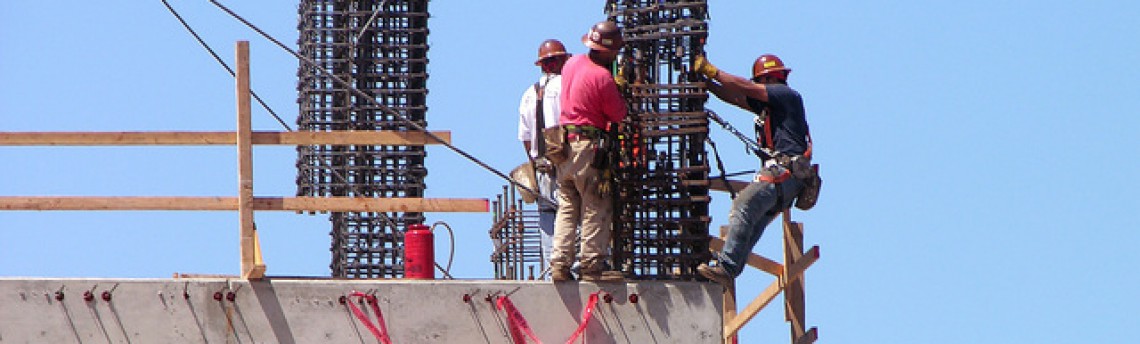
(550, 109)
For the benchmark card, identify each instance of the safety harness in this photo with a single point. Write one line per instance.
(764, 129)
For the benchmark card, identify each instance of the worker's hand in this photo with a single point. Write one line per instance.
(702, 65)
(621, 82)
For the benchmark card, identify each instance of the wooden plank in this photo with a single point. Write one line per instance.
(206, 138)
(246, 232)
(729, 297)
(180, 275)
(116, 203)
(794, 304)
(810, 337)
(797, 268)
(394, 138)
(754, 260)
(258, 262)
(341, 204)
(750, 311)
(795, 271)
(360, 204)
(719, 185)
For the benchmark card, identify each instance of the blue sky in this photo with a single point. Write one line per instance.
(979, 157)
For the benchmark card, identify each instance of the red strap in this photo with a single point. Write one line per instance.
(772, 145)
(381, 333)
(587, 314)
(807, 153)
(776, 179)
(517, 322)
(768, 132)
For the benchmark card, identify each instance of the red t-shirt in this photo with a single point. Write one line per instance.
(589, 94)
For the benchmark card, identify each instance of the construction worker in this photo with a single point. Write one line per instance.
(784, 132)
(532, 120)
(590, 102)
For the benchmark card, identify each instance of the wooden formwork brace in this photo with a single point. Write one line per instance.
(252, 265)
(789, 280)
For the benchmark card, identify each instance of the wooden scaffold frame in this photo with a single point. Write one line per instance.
(252, 265)
(789, 281)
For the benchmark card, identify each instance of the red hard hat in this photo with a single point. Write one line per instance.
(550, 48)
(604, 36)
(769, 63)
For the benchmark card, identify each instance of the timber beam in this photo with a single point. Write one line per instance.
(206, 138)
(331, 204)
(795, 272)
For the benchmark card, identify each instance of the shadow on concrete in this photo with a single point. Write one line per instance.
(271, 306)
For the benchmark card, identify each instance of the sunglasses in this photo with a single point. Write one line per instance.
(553, 59)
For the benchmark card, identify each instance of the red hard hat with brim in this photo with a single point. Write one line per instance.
(604, 36)
(550, 48)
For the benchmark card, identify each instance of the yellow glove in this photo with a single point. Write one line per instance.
(605, 182)
(702, 65)
(621, 82)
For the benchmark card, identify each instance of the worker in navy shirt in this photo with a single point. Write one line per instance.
(784, 133)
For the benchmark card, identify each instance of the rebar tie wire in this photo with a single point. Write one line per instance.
(372, 100)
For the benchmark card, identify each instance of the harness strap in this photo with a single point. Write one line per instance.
(770, 144)
(540, 120)
(776, 179)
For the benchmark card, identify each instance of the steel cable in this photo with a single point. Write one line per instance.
(223, 63)
(353, 187)
(372, 100)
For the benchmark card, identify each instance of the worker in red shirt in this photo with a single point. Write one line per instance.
(590, 102)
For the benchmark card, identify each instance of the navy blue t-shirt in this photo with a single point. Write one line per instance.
(789, 124)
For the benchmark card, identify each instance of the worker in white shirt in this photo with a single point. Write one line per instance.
(543, 97)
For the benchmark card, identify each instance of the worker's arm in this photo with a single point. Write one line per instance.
(526, 118)
(727, 95)
(613, 103)
(731, 88)
(743, 86)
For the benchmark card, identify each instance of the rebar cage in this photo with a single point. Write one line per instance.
(661, 222)
(516, 238)
(378, 47)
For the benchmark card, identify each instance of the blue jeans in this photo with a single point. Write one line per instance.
(753, 209)
(546, 214)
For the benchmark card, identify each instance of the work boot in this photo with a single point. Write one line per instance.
(715, 273)
(598, 273)
(603, 276)
(561, 274)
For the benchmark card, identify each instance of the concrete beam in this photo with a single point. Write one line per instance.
(278, 310)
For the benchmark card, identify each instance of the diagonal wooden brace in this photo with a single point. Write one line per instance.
(795, 272)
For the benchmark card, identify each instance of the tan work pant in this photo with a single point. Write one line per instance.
(579, 205)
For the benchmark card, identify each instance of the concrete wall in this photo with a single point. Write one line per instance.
(309, 311)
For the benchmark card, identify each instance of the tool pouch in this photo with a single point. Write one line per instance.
(557, 149)
(602, 157)
(524, 174)
(808, 174)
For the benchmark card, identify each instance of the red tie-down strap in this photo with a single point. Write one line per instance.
(587, 314)
(380, 332)
(518, 324)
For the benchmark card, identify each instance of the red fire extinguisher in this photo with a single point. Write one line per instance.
(419, 252)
